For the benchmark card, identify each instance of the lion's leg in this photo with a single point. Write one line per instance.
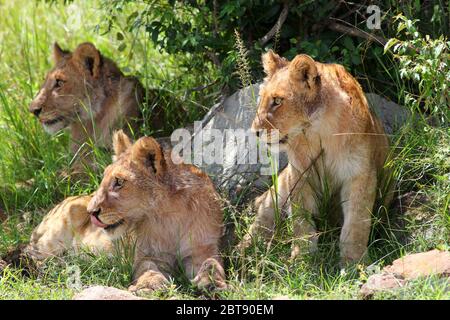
(267, 205)
(205, 267)
(305, 235)
(146, 276)
(357, 198)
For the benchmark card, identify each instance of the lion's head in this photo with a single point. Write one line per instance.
(73, 89)
(288, 98)
(131, 185)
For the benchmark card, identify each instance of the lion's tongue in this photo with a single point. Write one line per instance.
(97, 222)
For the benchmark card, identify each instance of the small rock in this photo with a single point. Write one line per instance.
(105, 293)
(380, 282)
(409, 267)
(434, 262)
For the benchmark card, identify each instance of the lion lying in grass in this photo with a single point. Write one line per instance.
(173, 212)
(87, 93)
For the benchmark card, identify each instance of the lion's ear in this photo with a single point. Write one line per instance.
(121, 142)
(58, 53)
(272, 62)
(303, 71)
(147, 152)
(88, 59)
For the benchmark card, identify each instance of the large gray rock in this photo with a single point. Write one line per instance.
(238, 112)
(105, 293)
(391, 114)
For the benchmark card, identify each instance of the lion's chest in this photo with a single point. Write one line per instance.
(327, 161)
(167, 242)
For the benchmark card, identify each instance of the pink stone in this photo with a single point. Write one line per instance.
(105, 293)
(380, 282)
(434, 262)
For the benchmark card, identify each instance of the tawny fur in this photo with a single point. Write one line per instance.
(329, 133)
(172, 211)
(87, 93)
(67, 226)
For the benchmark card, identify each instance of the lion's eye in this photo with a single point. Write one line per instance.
(59, 83)
(118, 183)
(277, 101)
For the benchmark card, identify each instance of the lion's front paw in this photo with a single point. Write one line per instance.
(352, 254)
(149, 282)
(210, 276)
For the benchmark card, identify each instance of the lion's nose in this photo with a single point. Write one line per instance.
(36, 111)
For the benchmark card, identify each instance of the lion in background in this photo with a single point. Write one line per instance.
(87, 93)
(318, 114)
(171, 210)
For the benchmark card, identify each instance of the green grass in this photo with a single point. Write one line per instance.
(30, 183)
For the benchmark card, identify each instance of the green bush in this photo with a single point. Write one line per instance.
(205, 32)
(424, 61)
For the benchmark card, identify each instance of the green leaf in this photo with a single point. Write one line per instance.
(438, 50)
(132, 16)
(348, 43)
(389, 44)
(356, 59)
(155, 34)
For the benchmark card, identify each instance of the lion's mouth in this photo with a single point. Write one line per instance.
(53, 121)
(96, 221)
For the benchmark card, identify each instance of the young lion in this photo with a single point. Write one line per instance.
(330, 136)
(87, 92)
(66, 226)
(172, 211)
